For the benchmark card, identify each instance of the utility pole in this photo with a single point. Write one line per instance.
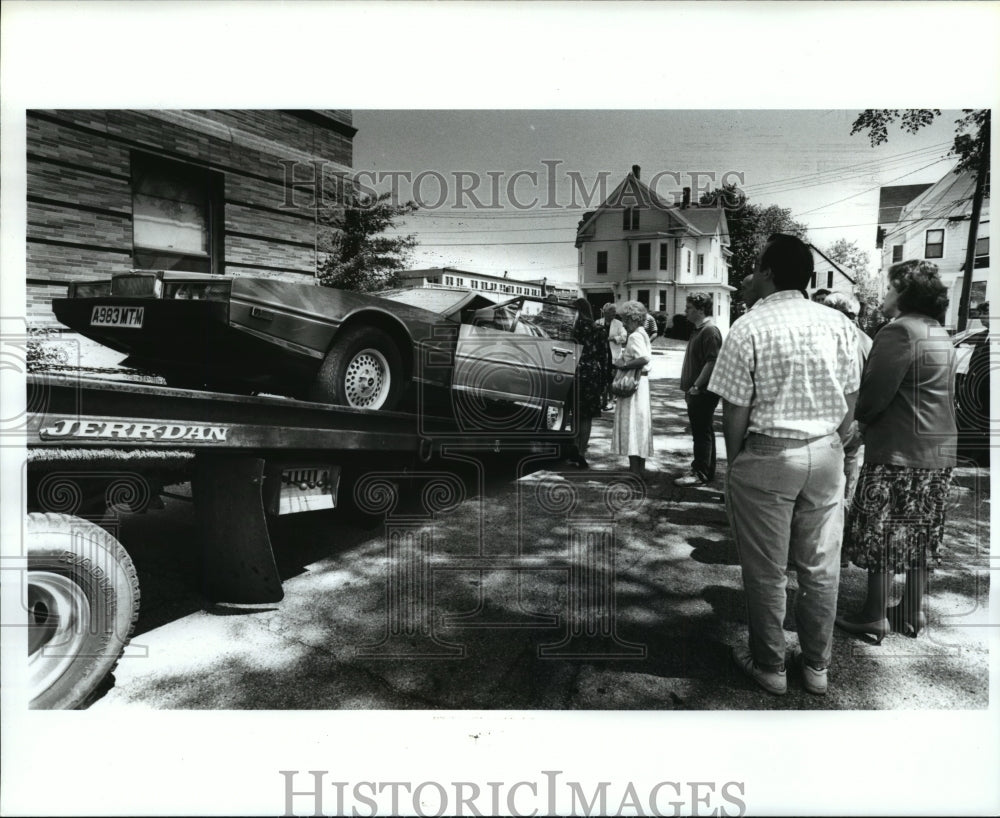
(970, 250)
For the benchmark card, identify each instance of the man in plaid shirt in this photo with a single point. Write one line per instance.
(788, 375)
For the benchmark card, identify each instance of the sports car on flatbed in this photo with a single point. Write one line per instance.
(397, 349)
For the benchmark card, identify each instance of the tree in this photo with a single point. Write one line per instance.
(972, 150)
(749, 227)
(359, 257)
(867, 286)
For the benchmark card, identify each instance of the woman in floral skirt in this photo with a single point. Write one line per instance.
(907, 414)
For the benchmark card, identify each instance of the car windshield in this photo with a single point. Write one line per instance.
(522, 316)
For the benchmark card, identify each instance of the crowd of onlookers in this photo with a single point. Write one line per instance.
(840, 447)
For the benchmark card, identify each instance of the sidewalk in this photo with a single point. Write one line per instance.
(491, 629)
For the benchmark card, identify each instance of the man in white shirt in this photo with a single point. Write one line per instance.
(788, 375)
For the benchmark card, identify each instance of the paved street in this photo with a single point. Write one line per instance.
(510, 593)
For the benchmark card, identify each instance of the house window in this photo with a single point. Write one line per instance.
(812, 282)
(644, 255)
(474, 284)
(663, 257)
(449, 280)
(701, 264)
(642, 296)
(829, 280)
(982, 252)
(688, 254)
(630, 219)
(934, 247)
(602, 262)
(663, 301)
(897, 253)
(176, 216)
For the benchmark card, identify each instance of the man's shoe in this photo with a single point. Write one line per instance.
(815, 681)
(692, 479)
(773, 681)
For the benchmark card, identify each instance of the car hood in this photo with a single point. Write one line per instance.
(446, 302)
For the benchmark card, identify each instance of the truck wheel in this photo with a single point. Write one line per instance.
(83, 601)
(363, 369)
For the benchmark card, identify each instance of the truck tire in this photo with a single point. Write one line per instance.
(83, 601)
(363, 369)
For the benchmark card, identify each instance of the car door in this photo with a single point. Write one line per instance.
(521, 351)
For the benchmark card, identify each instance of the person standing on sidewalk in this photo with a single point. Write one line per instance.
(907, 411)
(854, 446)
(699, 361)
(649, 324)
(632, 433)
(615, 335)
(788, 376)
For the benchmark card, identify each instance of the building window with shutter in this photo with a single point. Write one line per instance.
(630, 219)
(177, 216)
(934, 245)
(701, 264)
(663, 256)
(829, 280)
(644, 255)
(602, 262)
(897, 253)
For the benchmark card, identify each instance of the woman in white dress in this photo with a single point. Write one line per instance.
(632, 434)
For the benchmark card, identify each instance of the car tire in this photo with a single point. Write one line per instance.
(363, 369)
(83, 602)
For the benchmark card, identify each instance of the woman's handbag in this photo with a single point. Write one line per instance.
(625, 383)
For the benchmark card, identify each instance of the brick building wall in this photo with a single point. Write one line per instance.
(80, 188)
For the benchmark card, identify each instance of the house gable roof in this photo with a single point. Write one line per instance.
(838, 267)
(891, 200)
(631, 192)
(948, 198)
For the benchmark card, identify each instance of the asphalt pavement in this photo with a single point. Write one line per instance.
(529, 585)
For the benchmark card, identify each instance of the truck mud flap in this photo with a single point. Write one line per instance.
(239, 563)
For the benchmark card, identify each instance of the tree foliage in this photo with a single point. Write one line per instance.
(877, 121)
(972, 130)
(848, 254)
(867, 286)
(359, 256)
(749, 227)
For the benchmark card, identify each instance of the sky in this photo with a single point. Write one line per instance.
(804, 160)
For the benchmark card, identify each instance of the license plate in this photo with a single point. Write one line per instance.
(108, 316)
(308, 489)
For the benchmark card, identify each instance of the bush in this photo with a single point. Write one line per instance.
(681, 328)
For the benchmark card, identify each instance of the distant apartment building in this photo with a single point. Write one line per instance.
(934, 225)
(490, 285)
(202, 191)
(637, 247)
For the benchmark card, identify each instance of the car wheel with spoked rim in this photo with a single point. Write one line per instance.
(363, 369)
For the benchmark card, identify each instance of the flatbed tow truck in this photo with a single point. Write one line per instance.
(98, 446)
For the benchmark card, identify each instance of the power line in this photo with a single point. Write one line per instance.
(867, 190)
(853, 171)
